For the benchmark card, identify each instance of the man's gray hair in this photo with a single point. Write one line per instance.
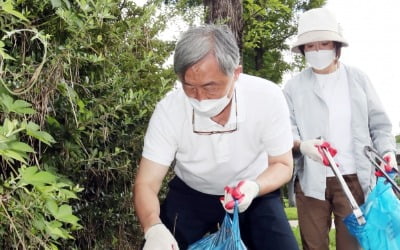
(198, 42)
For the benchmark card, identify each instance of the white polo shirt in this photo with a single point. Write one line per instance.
(208, 163)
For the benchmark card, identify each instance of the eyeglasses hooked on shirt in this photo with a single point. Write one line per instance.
(205, 126)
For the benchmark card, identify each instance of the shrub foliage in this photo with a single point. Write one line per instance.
(89, 72)
(78, 83)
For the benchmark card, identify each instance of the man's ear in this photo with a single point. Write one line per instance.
(238, 71)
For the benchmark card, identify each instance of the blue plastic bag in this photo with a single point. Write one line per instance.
(226, 238)
(381, 211)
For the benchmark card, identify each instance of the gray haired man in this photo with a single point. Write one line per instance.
(223, 129)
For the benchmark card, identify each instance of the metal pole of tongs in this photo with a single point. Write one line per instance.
(367, 151)
(356, 209)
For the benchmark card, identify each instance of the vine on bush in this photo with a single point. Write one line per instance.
(35, 210)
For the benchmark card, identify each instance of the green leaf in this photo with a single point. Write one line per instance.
(13, 155)
(9, 8)
(68, 194)
(52, 207)
(71, 219)
(22, 107)
(42, 136)
(4, 55)
(39, 224)
(56, 3)
(9, 126)
(5, 139)
(65, 215)
(67, 3)
(42, 178)
(53, 247)
(32, 129)
(52, 121)
(47, 191)
(28, 171)
(21, 146)
(7, 101)
(32, 176)
(32, 126)
(55, 230)
(77, 189)
(62, 213)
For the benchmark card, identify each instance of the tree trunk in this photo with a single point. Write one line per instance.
(258, 58)
(227, 12)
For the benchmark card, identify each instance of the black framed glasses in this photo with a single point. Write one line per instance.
(216, 131)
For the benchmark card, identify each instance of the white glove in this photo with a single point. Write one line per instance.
(309, 149)
(244, 193)
(158, 237)
(390, 157)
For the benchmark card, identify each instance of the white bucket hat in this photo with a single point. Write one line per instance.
(318, 24)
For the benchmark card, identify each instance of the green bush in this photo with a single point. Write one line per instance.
(94, 82)
(34, 204)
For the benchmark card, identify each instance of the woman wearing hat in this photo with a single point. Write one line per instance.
(336, 102)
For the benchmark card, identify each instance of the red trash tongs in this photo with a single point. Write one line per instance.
(377, 161)
(327, 151)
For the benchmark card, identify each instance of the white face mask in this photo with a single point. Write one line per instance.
(209, 107)
(320, 59)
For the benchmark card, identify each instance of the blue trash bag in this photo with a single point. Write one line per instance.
(226, 238)
(381, 212)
